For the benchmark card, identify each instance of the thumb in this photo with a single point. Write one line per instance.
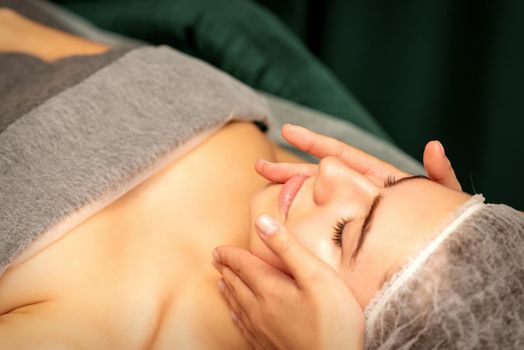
(439, 167)
(300, 262)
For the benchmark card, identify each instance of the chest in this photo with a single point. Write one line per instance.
(149, 252)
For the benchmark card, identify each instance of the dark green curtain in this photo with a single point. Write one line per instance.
(433, 69)
(238, 36)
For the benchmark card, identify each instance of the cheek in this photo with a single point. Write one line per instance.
(365, 279)
(317, 237)
(315, 240)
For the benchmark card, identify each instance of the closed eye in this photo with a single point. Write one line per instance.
(338, 230)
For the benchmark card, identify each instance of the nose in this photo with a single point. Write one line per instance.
(337, 181)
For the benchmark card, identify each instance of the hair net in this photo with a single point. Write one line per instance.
(465, 290)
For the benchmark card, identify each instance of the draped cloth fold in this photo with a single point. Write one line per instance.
(97, 128)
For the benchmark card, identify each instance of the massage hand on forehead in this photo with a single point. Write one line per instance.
(308, 306)
(427, 267)
(349, 253)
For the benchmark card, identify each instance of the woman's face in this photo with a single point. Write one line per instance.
(385, 224)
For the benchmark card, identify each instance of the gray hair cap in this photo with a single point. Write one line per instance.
(465, 290)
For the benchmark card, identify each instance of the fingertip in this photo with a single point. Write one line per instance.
(440, 148)
(216, 254)
(289, 130)
(216, 265)
(434, 156)
(290, 125)
(220, 255)
(437, 147)
(260, 164)
(266, 225)
(285, 127)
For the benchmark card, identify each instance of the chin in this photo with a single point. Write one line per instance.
(264, 202)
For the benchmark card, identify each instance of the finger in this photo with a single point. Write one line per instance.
(300, 262)
(247, 334)
(255, 339)
(239, 291)
(238, 315)
(281, 172)
(439, 167)
(228, 296)
(253, 271)
(322, 146)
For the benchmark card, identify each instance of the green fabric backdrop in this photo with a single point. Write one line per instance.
(239, 37)
(432, 69)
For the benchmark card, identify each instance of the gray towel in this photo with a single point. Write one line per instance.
(98, 134)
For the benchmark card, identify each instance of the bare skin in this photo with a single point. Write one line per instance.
(145, 254)
(19, 34)
(316, 291)
(137, 273)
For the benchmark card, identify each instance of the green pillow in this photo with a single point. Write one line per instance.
(239, 37)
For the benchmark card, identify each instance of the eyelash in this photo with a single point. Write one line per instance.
(390, 181)
(341, 224)
(338, 230)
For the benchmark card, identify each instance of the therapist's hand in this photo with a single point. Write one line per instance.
(437, 165)
(310, 309)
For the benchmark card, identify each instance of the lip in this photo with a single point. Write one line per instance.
(288, 193)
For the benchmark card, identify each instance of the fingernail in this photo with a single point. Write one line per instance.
(234, 316)
(266, 225)
(441, 148)
(262, 162)
(221, 285)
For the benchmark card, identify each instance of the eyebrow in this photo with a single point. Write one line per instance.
(366, 227)
(390, 182)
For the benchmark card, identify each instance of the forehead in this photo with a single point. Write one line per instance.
(411, 206)
(405, 219)
(410, 211)
(404, 223)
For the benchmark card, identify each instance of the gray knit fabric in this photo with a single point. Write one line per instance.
(26, 81)
(468, 294)
(92, 142)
